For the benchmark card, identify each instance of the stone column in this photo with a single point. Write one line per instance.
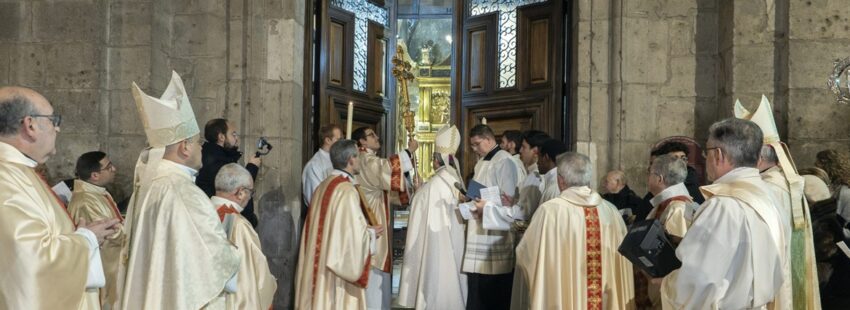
(272, 36)
(751, 50)
(644, 70)
(126, 46)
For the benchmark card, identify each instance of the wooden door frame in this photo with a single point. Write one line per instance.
(561, 104)
(316, 107)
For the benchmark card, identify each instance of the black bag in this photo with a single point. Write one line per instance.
(646, 245)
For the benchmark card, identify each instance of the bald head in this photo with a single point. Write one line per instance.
(615, 181)
(28, 122)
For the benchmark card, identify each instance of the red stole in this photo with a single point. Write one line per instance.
(58, 201)
(594, 258)
(224, 210)
(323, 210)
(663, 205)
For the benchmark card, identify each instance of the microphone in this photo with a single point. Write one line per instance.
(460, 188)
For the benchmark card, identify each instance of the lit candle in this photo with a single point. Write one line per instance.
(350, 120)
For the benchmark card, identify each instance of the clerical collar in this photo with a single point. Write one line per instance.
(12, 154)
(340, 172)
(219, 201)
(492, 153)
(738, 173)
(678, 189)
(191, 172)
(552, 173)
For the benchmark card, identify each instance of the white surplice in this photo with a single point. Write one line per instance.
(550, 186)
(315, 171)
(521, 170)
(492, 251)
(731, 254)
(431, 277)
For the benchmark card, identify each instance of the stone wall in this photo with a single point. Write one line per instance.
(240, 59)
(819, 33)
(647, 69)
(643, 70)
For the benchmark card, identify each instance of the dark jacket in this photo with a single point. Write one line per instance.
(693, 185)
(213, 158)
(627, 199)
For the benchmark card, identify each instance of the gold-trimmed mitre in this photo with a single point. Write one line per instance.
(763, 117)
(447, 140)
(168, 119)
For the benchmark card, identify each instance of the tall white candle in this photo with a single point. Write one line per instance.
(350, 120)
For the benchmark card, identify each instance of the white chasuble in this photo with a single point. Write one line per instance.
(44, 263)
(731, 254)
(568, 257)
(255, 283)
(431, 276)
(334, 256)
(177, 255)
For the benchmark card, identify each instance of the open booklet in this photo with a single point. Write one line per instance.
(494, 216)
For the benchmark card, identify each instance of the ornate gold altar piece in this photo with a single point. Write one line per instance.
(431, 86)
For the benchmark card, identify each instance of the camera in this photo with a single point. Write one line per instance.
(263, 146)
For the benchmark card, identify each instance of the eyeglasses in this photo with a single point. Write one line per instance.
(56, 119)
(108, 166)
(250, 191)
(708, 150)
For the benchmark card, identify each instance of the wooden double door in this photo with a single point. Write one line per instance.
(508, 64)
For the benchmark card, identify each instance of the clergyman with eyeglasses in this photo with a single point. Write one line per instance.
(46, 260)
(234, 187)
(731, 254)
(92, 202)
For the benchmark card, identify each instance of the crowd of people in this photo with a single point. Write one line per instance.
(757, 233)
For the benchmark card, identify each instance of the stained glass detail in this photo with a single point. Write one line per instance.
(507, 33)
(364, 11)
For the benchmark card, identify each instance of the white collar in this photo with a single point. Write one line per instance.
(12, 154)
(218, 201)
(552, 173)
(324, 153)
(670, 192)
(532, 169)
(338, 172)
(738, 173)
(191, 172)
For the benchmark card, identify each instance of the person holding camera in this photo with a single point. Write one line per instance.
(221, 148)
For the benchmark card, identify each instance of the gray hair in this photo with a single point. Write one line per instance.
(12, 111)
(672, 169)
(231, 177)
(341, 152)
(575, 168)
(768, 154)
(739, 139)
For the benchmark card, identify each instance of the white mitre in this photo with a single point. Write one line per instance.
(447, 140)
(168, 119)
(446, 143)
(763, 117)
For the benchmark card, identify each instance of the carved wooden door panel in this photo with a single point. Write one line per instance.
(352, 53)
(511, 66)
